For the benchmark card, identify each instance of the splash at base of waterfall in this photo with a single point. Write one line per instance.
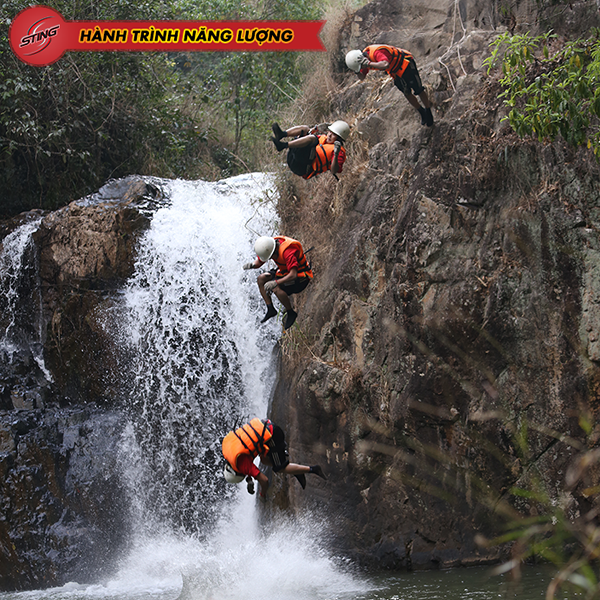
(286, 560)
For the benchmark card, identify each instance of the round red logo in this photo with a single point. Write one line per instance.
(37, 35)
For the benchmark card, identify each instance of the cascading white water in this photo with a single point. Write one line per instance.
(201, 364)
(20, 300)
(200, 361)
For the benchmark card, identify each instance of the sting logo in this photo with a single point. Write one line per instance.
(37, 37)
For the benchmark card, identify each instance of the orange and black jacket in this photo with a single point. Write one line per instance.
(303, 267)
(250, 439)
(324, 158)
(398, 61)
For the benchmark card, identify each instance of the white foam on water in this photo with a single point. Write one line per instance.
(285, 559)
(191, 322)
(191, 319)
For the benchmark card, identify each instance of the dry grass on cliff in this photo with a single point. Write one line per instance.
(296, 344)
(323, 198)
(309, 210)
(320, 84)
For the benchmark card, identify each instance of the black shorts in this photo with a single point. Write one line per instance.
(410, 79)
(300, 160)
(278, 454)
(293, 288)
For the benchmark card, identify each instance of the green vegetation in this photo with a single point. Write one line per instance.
(551, 94)
(67, 128)
(542, 523)
(242, 91)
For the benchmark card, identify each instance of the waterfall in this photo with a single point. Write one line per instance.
(198, 363)
(20, 299)
(201, 363)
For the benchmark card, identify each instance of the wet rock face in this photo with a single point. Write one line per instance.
(64, 510)
(68, 289)
(451, 329)
(86, 253)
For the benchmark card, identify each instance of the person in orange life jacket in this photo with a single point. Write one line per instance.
(264, 439)
(400, 66)
(292, 275)
(310, 153)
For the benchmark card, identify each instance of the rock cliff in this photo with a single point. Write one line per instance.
(449, 342)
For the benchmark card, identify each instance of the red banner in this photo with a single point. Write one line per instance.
(39, 36)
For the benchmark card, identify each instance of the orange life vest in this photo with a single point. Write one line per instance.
(324, 157)
(249, 439)
(304, 269)
(398, 61)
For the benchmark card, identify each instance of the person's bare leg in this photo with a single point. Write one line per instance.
(297, 142)
(261, 280)
(300, 471)
(294, 469)
(428, 114)
(425, 99)
(413, 100)
(283, 298)
(425, 112)
(297, 130)
(302, 142)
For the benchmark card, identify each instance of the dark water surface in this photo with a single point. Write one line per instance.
(477, 583)
(194, 324)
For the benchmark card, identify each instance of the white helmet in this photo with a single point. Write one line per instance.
(264, 247)
(354, 59)
(231, 476)
(341, 129)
